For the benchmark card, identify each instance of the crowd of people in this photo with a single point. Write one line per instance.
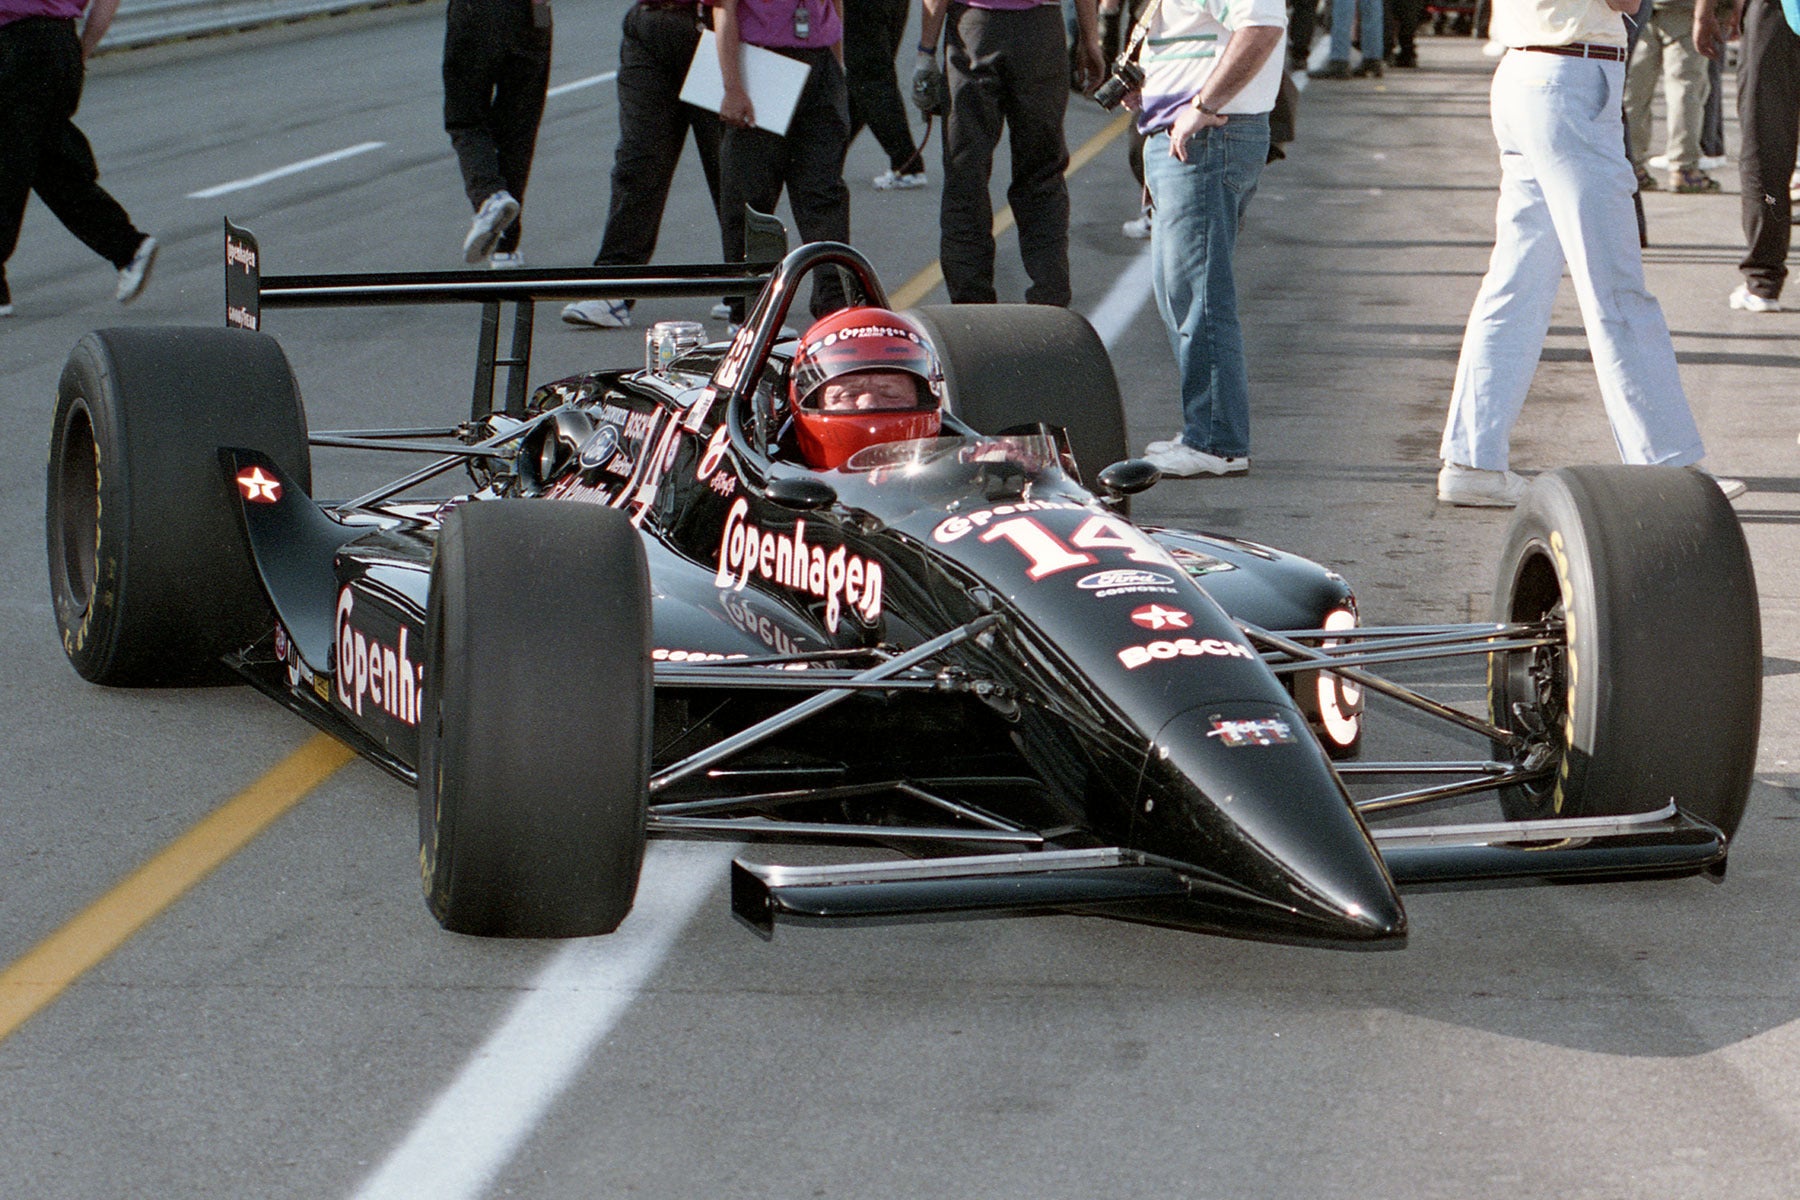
(1211, 83)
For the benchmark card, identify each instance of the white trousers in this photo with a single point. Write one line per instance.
(1565, 197)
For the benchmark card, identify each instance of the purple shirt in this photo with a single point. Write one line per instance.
(770, 23)
(1006, 5)
(13, 10)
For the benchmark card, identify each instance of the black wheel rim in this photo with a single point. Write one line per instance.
(1533, 692)
(77, 532)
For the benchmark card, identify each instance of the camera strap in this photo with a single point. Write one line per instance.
(1140, 30)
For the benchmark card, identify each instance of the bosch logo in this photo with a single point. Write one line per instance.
(1136, 656)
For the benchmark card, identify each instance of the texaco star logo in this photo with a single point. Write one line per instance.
(1155, 616)
(258, 487)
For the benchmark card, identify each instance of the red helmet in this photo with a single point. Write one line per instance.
(895, 394)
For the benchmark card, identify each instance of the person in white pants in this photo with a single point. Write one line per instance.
(1565, 198)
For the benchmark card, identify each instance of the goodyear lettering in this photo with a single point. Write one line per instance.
(370, 670)
(788, 560)
(953, 528)
(1136, 656)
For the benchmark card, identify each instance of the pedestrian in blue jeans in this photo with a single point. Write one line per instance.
(1210, 79)
(1374, 32)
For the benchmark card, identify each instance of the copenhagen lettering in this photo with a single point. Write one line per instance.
(955, 527)
(1136, 656)
(788, 560)
(367, 669)
(239, 255)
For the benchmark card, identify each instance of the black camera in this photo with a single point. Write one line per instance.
(1126, 77)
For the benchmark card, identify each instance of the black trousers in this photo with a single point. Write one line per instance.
(872, 33)
(1007, 68)
(41, 150)
(1769, 126)
(653, 127)
(755, 165)
(496, 71)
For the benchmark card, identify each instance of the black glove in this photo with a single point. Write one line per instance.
(931, 94)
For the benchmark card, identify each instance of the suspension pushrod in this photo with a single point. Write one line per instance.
(812, 705)
(1423, 654)
(1504, 777)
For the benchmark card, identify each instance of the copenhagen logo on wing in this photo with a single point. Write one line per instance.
(1126, 582)
(1159, 617)
(372, 670)
(788, 560)
(1136, 656)
(258, 486)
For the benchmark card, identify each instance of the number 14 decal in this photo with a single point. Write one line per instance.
(1049, 554)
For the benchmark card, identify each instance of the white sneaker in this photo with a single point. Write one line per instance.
(1183, 461)
(493, 218)
(1748, 301)
(598, 314)
(1162, 444)
(721, 311)
(896, 181)
(1733, 488)
(1138, 228)
(1471, 487)
(507, 260)
(136, 273)
(6, 310)
(1708, 162)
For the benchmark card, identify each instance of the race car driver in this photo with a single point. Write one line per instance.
(860, 377)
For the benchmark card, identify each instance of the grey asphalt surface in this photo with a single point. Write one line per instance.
(284, 1027)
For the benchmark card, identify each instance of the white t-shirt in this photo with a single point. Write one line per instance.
(1183, 46)
(1555, 23)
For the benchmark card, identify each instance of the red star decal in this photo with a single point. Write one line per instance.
(1155, 616)
(258, 487)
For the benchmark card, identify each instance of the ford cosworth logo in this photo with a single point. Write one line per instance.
(1125, 582)
(788, 560)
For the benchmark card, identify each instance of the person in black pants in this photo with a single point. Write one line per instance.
(654, 54)
(872, 33)
(1769, 126)
(755, 164)
(496, 73)
(42, 68)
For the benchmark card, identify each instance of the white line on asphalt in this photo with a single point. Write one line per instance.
(238, 185)
(578, 84)
(495, 1102)
(1122, 304)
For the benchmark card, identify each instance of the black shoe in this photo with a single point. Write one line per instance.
(1368, 68)
(1406, 59)
(1337, 68)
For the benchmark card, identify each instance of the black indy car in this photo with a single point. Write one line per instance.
(958, 649)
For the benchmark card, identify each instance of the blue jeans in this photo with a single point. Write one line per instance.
(1343, 15)
(1199, 205)
(1565, 199)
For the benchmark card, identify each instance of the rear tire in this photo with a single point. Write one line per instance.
(534, 743)
(1016, 364)
(151, 577)
(1657, 694)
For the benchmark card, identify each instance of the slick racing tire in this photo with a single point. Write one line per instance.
(1656, 693)
(1016, 364)
(151, 576)
(534, 743)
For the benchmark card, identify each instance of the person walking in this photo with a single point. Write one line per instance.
(1665, 47)
(872, 33)
(496, 74)
(1566, 191)
(43, 64)
(1210, 80)
(657, 46)
(756, 164)
(1769, 128)
(1344, 15)
(1006, 65)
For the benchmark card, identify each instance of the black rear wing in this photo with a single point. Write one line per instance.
(248, 292)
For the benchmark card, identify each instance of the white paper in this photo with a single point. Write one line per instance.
(773, 80)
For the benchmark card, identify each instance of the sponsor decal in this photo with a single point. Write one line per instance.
(259, 487)
(1269, 731)
(621, 465)
(1157, 616)
(1197, 564)
(240, 317)
(714, 454)
(763, 629)
(238, 254)
(597, 449)
(1136, 656)
(613, 414)
(788, 560)
(372, 672)
(1126, 583)
(639, 425)
(690, 656)
(952, 528)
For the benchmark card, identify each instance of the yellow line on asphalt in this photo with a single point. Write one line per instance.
(38, 978)
(920, 285)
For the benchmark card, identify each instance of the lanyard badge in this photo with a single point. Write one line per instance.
(802, 22)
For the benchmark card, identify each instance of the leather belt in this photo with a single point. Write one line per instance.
(1582, 50)
(669, 5)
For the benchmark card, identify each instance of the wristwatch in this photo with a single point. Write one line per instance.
(1201, 107)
